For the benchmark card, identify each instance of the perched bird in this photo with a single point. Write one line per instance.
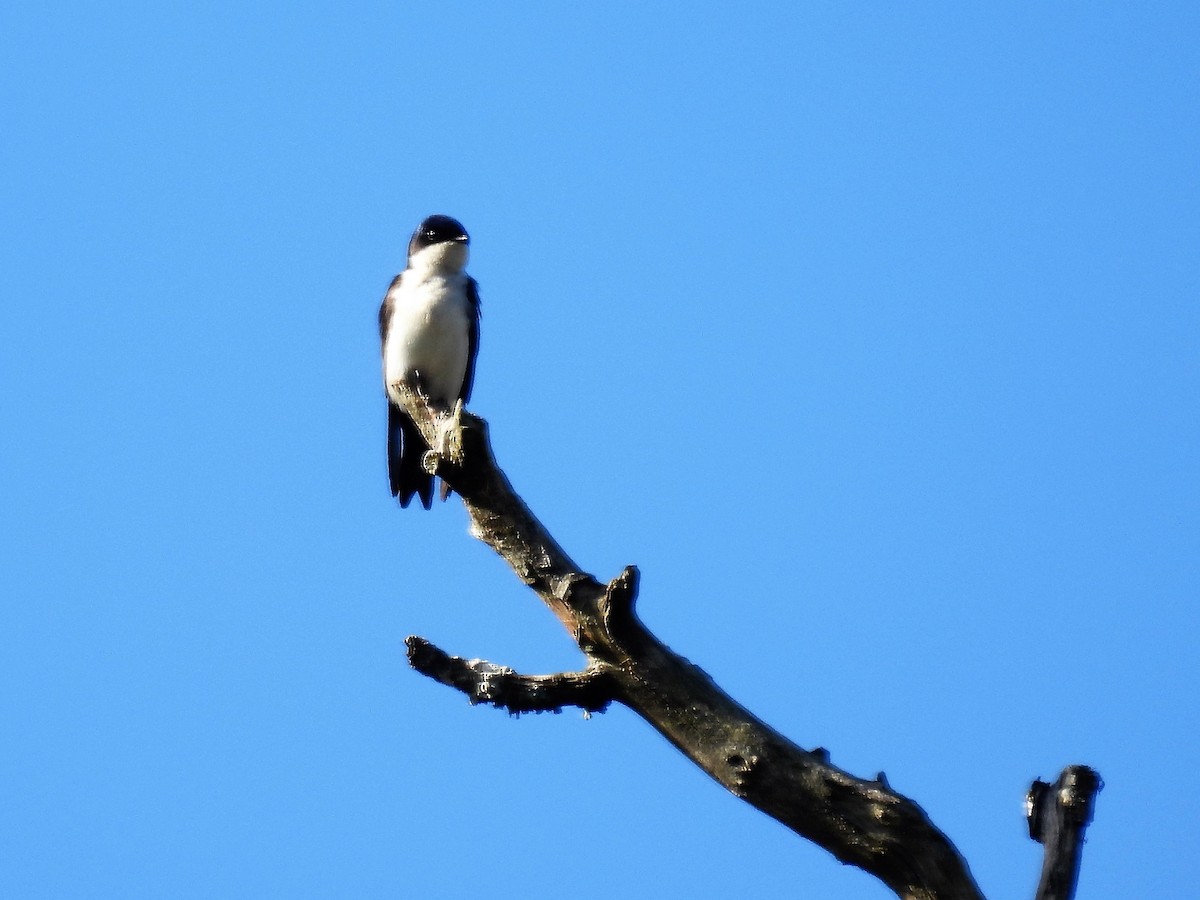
(429, 329)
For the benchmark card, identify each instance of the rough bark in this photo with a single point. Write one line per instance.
(862, 822)
(1058, 815)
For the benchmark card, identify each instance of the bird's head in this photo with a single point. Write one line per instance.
(439, 242)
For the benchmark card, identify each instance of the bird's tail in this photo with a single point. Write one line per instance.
(405, 448)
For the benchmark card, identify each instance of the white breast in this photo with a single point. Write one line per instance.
(429, 333)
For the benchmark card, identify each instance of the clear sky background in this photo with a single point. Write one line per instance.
(868, 331)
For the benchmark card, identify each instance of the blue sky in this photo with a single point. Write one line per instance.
(869, 332)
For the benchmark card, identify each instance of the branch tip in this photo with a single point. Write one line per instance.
(592, 690)
(621, 593)
(1057, 815)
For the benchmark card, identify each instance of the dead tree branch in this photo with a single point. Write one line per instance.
(592, 690)
(1058, 815)
(862, 822)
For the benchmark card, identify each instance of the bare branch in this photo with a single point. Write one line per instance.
(592, 690)
(862, 822)
(1058, 815)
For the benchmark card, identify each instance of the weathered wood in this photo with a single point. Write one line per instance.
(1058, 815)
(592, 690)
(862, 822)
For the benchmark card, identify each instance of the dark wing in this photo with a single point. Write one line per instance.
(464, 393)
(405, 449)
(405, 446)
(395, 448)
(385, 310)
(472, 340)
